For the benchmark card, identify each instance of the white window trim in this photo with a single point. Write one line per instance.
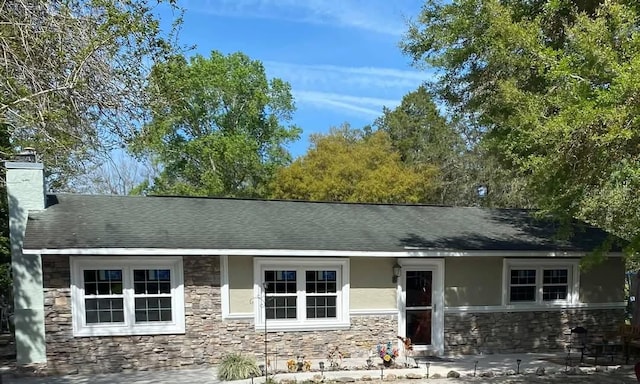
(127, 264)
(342, 321)
(573, 283)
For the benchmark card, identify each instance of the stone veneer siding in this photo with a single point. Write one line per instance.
(207, 337)
(519, 332)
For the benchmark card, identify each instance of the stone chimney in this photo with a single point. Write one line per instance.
(26, 192)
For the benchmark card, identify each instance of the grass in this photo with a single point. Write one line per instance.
(236, 366)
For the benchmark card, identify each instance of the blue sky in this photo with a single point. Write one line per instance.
(341, 57)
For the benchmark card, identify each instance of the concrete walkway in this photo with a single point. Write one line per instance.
(498, 364)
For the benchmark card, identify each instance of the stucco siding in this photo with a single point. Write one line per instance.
(240, 284)
(472, 281)
(604, 282)
(371, 285)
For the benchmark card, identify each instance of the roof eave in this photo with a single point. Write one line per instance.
(305, 253)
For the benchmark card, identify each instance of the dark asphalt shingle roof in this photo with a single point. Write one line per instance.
(89, 221)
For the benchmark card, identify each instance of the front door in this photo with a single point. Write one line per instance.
(421, 317)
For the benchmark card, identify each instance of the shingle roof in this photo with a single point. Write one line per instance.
(83, 221)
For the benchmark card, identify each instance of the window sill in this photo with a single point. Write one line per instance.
(289, 326)
(129, 331)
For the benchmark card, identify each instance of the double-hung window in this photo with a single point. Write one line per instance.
(297, 294)
(127, 296)
(540, 282)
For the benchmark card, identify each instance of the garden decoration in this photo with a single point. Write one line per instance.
(387, 353)
(408, 350)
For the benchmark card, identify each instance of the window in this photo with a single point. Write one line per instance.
(300, 294)
(127, 296)
(541, 282)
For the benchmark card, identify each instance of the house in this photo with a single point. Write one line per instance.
(112, 283)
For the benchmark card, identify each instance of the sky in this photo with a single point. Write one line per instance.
(341, 57)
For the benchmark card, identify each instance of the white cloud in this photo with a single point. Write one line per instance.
(329, 77)
(381, 16)
(370, 107)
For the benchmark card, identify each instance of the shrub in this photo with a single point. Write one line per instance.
(236, 366)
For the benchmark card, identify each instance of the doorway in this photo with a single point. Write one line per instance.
(421, 297)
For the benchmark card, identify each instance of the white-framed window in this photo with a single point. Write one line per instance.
(540, 282)
(301, 293)
(127, 295)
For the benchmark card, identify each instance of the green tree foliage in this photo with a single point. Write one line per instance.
(554, 86)
(216, 127)
(422, 136)
(349, 165)
(72, 78)
(73, 75)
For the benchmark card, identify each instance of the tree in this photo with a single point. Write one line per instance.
(216, 126)
(115, 174)
(554, 87)
(73, 76)
(423, 136)
(348, 165)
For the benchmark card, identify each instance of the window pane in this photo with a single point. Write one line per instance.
(141, 316)
(138, 275)
(104, 289)
(149, 280)
(523, 276)
(152, 288)
(555, 276)
(554, 292)
(165, 315)
(102, 282)
(281, 307)
(153, 309)
(118, 317)
(92, 317)
(165, 287)
(321, 281)
(320, 307)
(104, 317)
(165, 302)
(280, 281)
(419, 285)
(90, 275)
(116, 288)
(154, 315)
(139, 288)
(90, 304)
(104, 310)
(525, 293)
(90, 288)
(418, 325)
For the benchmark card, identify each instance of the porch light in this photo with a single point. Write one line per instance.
(396, 272)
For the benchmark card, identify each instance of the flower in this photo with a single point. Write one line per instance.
(387, 352)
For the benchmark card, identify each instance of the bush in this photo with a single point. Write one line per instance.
(236, 366)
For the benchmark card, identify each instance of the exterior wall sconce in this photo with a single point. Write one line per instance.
(396, 272)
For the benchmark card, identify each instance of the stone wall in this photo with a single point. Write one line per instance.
(519, 332)
(207, 337)
(199, 345)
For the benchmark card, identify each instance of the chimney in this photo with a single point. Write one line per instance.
(26, 192)
(25, 181)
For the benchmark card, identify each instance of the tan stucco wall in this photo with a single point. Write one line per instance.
(240, 284)
(371, 285)
(472, 281)
(603, 283)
